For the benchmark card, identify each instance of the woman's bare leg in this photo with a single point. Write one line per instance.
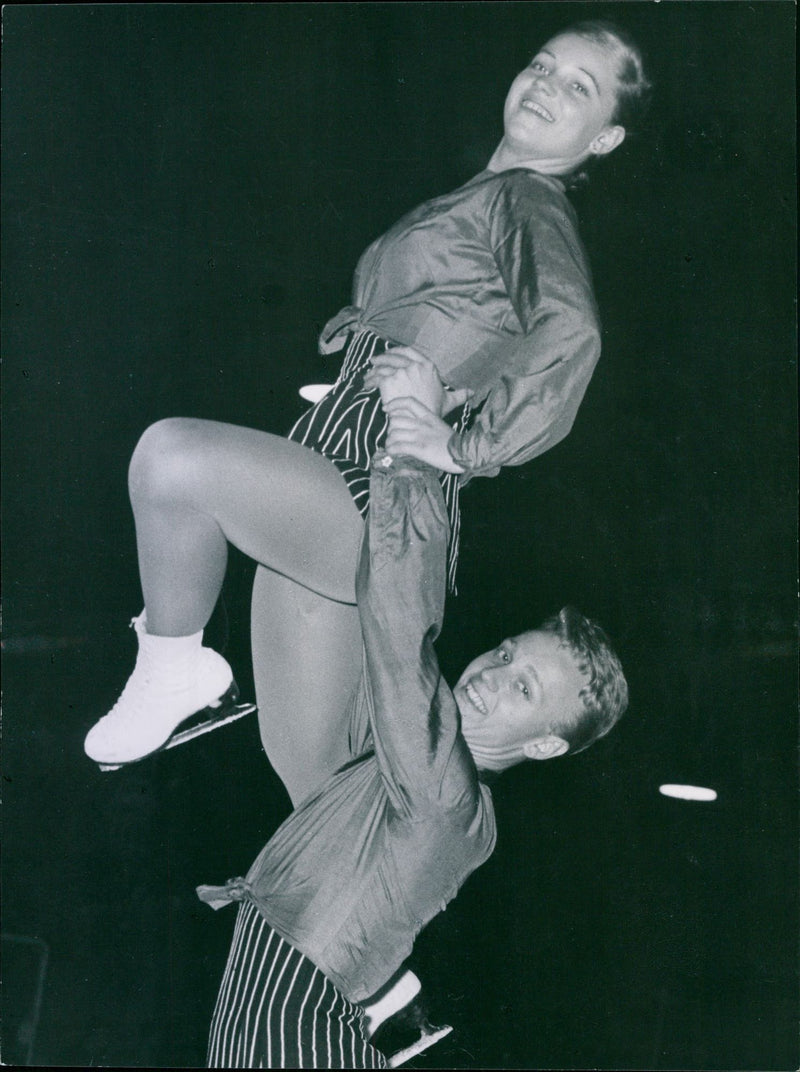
(195, 485)
(306, 665)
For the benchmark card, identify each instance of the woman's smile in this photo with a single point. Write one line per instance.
(531, 105)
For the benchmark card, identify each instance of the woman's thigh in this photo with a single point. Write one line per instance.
(306, 667)
(279, 502)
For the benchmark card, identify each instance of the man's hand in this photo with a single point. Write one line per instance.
(404, 373)
(414, 430)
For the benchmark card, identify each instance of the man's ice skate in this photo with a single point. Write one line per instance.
(397, 1022)
(428, 1036)
(178, 690)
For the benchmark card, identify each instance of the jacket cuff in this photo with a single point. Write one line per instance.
(458, 452)
(399, 464)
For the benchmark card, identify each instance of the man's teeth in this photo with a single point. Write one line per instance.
(534, 106)
(475, 700)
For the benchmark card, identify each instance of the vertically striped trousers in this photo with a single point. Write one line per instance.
(275, 1009)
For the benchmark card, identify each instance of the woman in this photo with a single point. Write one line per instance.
(485, 290)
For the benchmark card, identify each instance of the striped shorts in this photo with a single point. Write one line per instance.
(275, 1009)
(348, 425)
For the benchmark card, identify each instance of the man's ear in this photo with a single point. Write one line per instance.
(607, 140)
(545, 747)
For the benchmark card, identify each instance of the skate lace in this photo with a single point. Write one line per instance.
(133, 700)
(136, 698)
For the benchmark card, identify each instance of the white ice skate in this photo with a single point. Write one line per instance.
(178, 690)
(402, 1019)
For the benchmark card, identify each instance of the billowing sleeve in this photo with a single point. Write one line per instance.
(400, 589)
(546, 368)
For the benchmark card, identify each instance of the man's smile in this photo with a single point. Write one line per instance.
(475, 699)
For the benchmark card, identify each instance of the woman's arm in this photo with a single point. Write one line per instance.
(548, 343)
(544, 370)
(418, 433)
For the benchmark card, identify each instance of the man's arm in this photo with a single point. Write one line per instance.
(400, 589)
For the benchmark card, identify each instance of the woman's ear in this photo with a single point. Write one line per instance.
(607, 140)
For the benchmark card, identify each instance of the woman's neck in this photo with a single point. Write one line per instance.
(505, 157)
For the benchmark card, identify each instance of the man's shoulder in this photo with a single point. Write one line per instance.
(457, 837)
(461, 809)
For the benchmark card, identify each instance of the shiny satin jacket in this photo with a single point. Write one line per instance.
(356, 871)
(491, 282)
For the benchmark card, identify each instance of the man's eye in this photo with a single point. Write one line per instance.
(523, 688)
(537, 66)
(503, 655)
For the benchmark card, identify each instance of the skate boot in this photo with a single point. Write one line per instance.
(174, 678)
(396, 1021)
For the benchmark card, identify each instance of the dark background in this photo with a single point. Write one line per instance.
(186, 190)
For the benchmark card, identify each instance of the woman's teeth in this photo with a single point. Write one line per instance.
(538, 109)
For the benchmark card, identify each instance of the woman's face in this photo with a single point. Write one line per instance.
(559, 109)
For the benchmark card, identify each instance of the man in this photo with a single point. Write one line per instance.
(332, 905)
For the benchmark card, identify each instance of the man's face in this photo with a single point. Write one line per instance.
(511, 699)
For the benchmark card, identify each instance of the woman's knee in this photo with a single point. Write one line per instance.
(167, 459)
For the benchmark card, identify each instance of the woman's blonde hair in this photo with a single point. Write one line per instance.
(634, 88)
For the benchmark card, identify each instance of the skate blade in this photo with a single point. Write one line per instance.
(423, 1043)
(210, 718)
(218, 719)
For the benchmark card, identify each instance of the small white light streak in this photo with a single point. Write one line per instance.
(687, 792)
(313, 392)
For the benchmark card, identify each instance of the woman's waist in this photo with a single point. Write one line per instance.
(465, 351)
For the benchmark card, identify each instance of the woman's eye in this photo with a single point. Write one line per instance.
(523, 688)
(580, 88)
(536, 66)
(503, 655)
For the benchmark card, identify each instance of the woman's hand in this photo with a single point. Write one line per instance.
(414, 430)
(404, 373)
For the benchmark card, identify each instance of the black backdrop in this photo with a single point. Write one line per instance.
(186, 189)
